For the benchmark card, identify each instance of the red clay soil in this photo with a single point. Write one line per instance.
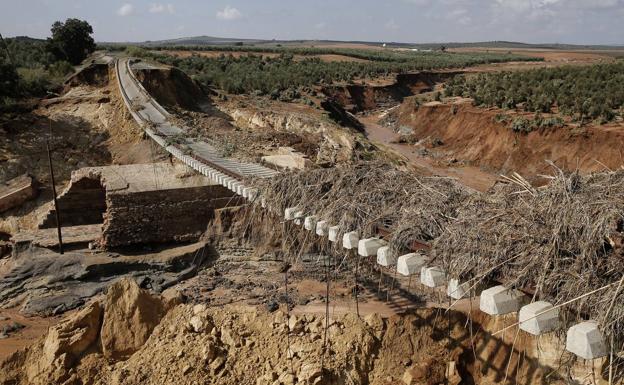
(471, 134)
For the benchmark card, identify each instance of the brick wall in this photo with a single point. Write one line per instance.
(162, 216)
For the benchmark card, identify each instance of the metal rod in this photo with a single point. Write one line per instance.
(56, 208)
(357, 302)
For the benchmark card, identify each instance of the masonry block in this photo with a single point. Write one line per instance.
(350, 240)
(332, 233)
(499, 300)
(457, 290)
(299, 217)
(321, 228)
(538, 318)
(586, 341)
(289, 213)
(385, 257)
(432, 276)
(368, 247)
(309, 223)
(410, 264)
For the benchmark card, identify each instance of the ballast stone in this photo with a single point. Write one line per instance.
(432, 276)
(586, 341)
(368, 247)
(456, 290)
(385, 256)
(333, 233)
(538, 318)
(350, 240)
(410, 264)
(499, 300)
(321, 228)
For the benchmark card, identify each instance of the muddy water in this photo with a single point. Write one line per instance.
(34, 327)
(469, 176)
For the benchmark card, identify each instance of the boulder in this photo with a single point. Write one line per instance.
(73, 336)
(130, 316)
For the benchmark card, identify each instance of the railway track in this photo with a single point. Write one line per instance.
(198, 155)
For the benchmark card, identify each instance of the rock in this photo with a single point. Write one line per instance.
(287, 379)
(172, 297)
(72, 337)
(296, 324)
(452, 375)
(199, 309)
(201, 324)
(424, 373)
(229, 338)
(3, 336)
(309, 373)
(217, 364)
(186, 369)
(130, 317)
(375, 322)
(272, 306)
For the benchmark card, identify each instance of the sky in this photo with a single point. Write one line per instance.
(410, 21)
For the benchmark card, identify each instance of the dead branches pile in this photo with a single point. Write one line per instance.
(562, 240)
(369, 194)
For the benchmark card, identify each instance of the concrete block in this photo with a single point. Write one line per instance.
(309, 223)
(239, 189)
(457, 290)
(499, 300)
(299, 217)
(246, 192)
(350, 240)
(586, 341)
(432, 276)
(332, 233)
(253, 195)
(289, 213)
(385, 257)
(538, 318)
(321, 228)
(368, 247)
(410, 264)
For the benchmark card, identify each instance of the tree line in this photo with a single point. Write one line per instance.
(286, 73)
(582, 92)
(365, 54)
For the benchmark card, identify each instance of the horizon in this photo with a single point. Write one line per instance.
(573, 22)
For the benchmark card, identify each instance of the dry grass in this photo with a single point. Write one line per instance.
(564, 240)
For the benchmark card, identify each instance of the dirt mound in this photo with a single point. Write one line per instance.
(114, 331)
(241, 345)
(172, 88)
(130, 317)
(49, 360)
(472, 134)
